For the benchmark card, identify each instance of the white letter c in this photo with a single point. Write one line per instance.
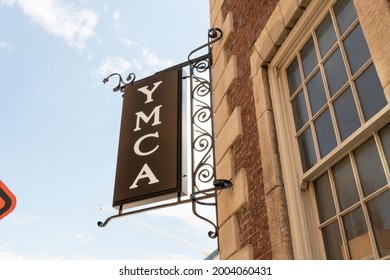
(136, 145)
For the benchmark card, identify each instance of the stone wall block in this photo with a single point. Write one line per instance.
(229, 238)
(230, 201)
(229, 134)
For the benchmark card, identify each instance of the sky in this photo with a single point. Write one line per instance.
(59, 125)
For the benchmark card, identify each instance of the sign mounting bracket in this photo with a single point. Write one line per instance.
(203, 171)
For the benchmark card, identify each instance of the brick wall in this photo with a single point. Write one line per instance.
(250, 18)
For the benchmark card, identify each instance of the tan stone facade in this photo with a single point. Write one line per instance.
(259, 218)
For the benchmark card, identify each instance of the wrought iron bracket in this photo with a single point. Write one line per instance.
(195, 198)
(202, 138)
(209, 193)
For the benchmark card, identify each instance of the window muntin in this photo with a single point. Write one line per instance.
(333, 84)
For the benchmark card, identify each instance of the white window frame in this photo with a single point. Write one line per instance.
(306, 237)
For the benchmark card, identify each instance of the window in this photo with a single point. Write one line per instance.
(333, 85)
(336, 125)
(353, 201)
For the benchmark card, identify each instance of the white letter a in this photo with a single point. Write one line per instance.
(145, 173)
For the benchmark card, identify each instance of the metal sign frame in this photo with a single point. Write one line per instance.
(202, 135)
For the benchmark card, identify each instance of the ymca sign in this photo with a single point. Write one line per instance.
(149, 166)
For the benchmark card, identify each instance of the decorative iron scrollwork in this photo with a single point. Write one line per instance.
(202, 127)
(121, 84)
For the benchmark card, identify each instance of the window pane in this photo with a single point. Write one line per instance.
(306, 150)
(356, 231)
(356, 49)
(345, 14)
(335, 72)
(346, 114)
(379, 212)
(293, 76)
(372, 176)
(370, 92)
(332, 242)
(325, 133)
(299, 111)
(309, 58)
(385, 139)
(316, 91)
(324, 198)
(326, 35)
(345, 184)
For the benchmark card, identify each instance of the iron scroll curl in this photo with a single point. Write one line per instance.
(215, 34)
(121, 84)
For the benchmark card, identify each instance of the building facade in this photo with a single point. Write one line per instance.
(302, 125)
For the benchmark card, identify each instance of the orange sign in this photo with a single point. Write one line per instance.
(7, 201)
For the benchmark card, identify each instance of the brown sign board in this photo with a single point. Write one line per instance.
(149, 154)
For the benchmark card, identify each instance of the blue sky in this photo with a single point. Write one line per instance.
(59, 125)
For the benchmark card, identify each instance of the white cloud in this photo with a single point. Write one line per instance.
(73, 24)
(151, 59)
(84, 238)
(113, 65)
(8, 2)
(128, 42)
(117, 17)
(7, 253)
(10, 256)
(23, 218)
(5, 46)
(148, 62)
(119, 65)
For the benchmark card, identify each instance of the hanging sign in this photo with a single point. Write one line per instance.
(149, 154)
